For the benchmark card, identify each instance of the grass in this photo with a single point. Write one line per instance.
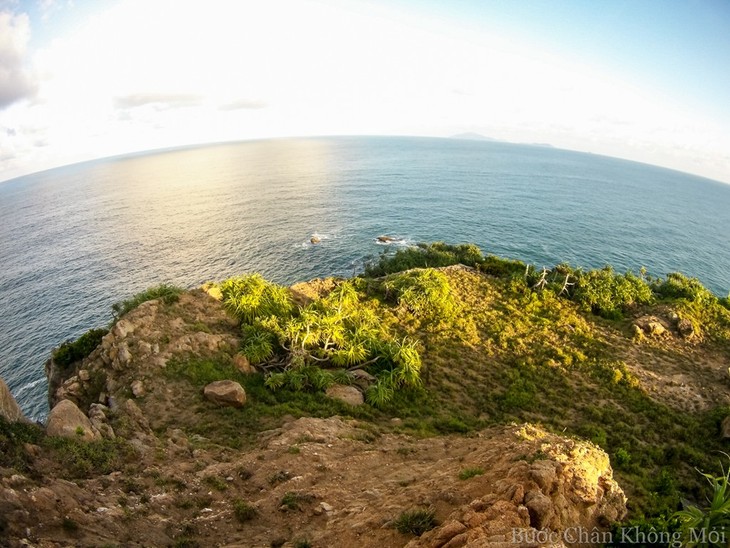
(73, 351)
(85, 459)
(468, 473)
(293, 501)
(243, 510)
(415, 522)
(167, 293)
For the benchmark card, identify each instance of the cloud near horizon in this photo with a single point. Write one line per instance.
(242, 104)
(17, 82)
(159, 100)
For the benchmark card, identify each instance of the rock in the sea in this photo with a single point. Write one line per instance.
(9, 408)
(386, 239)
(315, 240)
(347, 394)
(225, 393)
(66, 420)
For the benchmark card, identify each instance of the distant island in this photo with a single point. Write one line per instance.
(473, 136)
(441, 398)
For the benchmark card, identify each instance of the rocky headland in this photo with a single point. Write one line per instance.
(529, 414)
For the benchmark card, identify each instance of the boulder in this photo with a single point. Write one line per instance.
(651, 325)
(347, 394)
(386, 239)
(9, 408)
(315, 240)
(226, 392)
(66, 420)
(685, 328)
(137, 388)
(241, 363)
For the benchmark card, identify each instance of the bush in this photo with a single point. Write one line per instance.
(710, 524)
(167, 293)
(85, 459)
(609, 294)
(468, 473)
(433, 255)
(74, 351)
(424, 293)
(251, 297)
(415, 522)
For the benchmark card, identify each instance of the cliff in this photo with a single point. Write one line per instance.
(527, 414)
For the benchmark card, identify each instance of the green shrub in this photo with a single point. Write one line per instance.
(710, 524)
(415, 522)
(243, 511)
(424, 293)
(167, 293)
(609, 294)
(251, 297)
(468, 473)
(432, 255)
(85, 459)
(74, 351)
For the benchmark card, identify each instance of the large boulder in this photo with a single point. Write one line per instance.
(66, 420)
(9, 408)
(226, 392)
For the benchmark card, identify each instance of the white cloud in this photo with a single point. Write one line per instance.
(16, 80)
(242, 104)
(159, 100)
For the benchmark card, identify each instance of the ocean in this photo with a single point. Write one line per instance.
(75, 240)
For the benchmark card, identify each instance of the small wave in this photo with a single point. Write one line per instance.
(28, 386)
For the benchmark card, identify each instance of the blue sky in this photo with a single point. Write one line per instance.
(643, 80)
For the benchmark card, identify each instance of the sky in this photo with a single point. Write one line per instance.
(643, 80)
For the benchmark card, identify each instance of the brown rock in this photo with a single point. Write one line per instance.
(685, 328)
(446, 532)
(347, 394)
(9, 408)
(137, 389)
(225, 393)
(540, 507)
(242, 364)
(66, 420)
(655, 328)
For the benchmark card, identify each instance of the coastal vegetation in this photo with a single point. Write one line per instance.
(453, 341)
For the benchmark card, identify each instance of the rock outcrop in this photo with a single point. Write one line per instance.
(569, 488)
(9, 408)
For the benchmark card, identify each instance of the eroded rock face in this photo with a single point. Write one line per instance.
(9, 408)
(226, 392)
(571, 486)
(66, 420)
